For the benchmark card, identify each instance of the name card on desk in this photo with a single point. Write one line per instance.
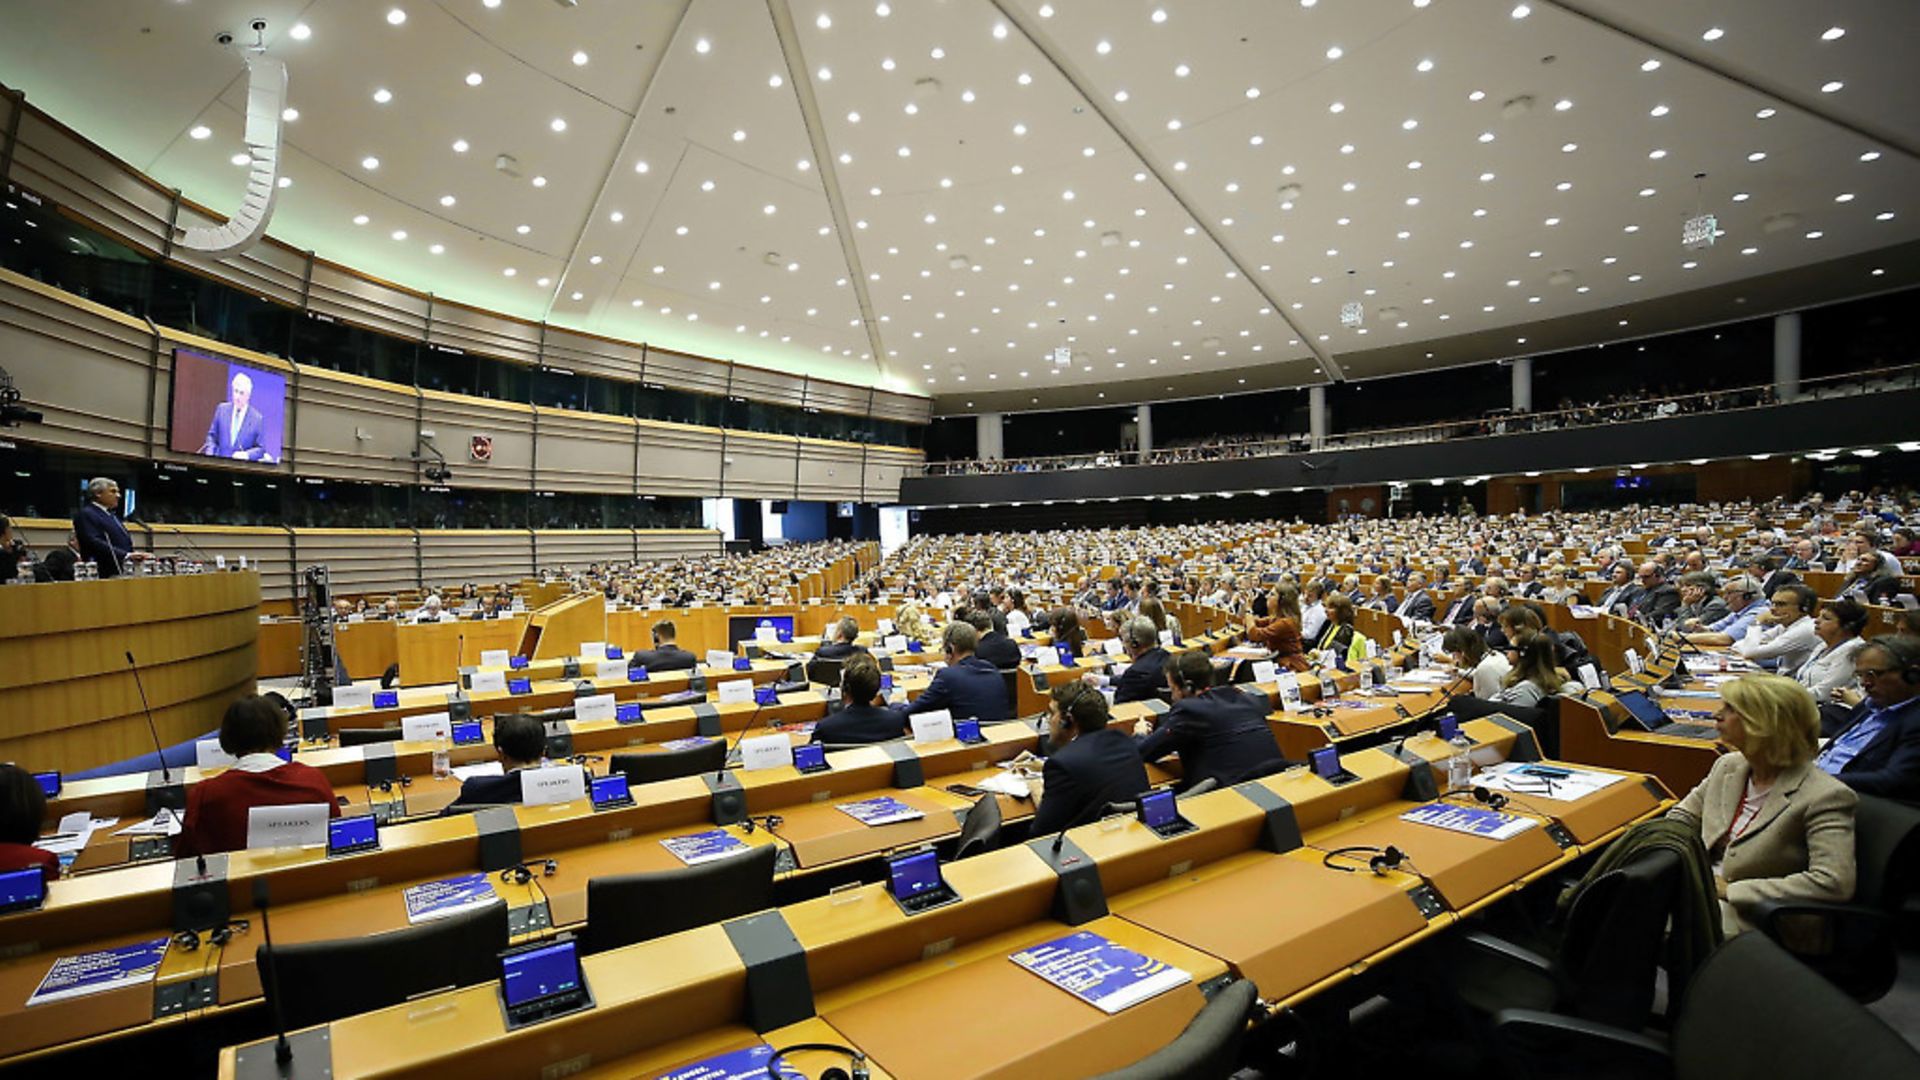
(427, 727)
(494, 657)
(1265, 671)
(1113, 647)
(1589, 677)
(593, 650)
(353, 697)
(1634, 663)
(208, 755)
(932, 726)
(719, 658)
(1166, 639)
(489, 682)
(766, 752)
(739, 691)
(766, 635)
(594, 707)
(552, 784)
(895, 642)
(297, 825)
(610, 669)
(883, 627)
(356, 617)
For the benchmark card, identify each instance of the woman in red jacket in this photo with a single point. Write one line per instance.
(22, 808)
(253, 729)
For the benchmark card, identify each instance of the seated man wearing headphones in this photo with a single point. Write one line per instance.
(1877, 749)
(521, 743)
(1090, 765)
(1218, 732)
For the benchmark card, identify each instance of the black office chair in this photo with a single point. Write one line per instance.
(1543, 719)
(1855, 944)
(824, 672)
(981, 831)
(639, 907)
(390, 677)
(670, 764)
(1209, 1048)
(1753, 1010)
(363, 735)
(1603, 968)
(319, 981)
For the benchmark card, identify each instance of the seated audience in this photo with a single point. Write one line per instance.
(1536, 674)
(1744, 605)
(252, 730)
(665, 655)
(1698, 603)
(1018, 617)
(842, 636)
(1088, 763)
(1340, 645)
(60, 562)
(1217, 732)
(968, 687)
(1876, 750)
(1279, 632)
(1065, 628)
(863, 715)
(1155, 612)
(994, 646)
(1147, 662)
(1657, 600)
(1486, 668)
(1776, 827)
(1782, 637)
(23, 806)
(1313, 610)
(1838, 626)
(1557, 591)
(1417, 605)
(520, 742)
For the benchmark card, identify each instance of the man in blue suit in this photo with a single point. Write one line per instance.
(1147, 668)
(1877, 749)
(1218, 732)
(968, 687)
(863, 716)
(102, 538)
(236, 427)
(1090, 765)
(521, 743)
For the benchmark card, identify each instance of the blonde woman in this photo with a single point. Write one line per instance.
(1777, 827)
(1557, 590)
(909, 622)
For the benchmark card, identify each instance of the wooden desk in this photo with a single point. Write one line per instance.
(1466, 870)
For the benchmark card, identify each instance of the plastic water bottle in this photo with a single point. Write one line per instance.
(442, 761)
(24, 574)
(1460, 765)
(89, 570)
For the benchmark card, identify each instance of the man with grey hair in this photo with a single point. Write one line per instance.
(102, 537)
(1147, 662)
(968, 687)
(1744, 605)
(842, 635)
(235, 431)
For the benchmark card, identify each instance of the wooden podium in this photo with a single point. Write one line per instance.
(65, 686)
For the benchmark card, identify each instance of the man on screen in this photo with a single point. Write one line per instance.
(235, 431)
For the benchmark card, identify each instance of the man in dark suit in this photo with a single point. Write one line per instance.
(968, 687)
(1772, 579)
(60, 562)
(982, 600)
(841, 636)
(102, 538)
(235, 431)
(1418, 605)
(1658, 598)
(1147, 671)
(520, 741)
(1877, 749)
(1621, 590)
(1218, 732)
(1090, 764)
(665, 655)
(862, 717)
(994, 646)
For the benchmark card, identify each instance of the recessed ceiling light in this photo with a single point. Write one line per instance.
(1337, 107)
(1253, 92)
(1182, 71)
(1650, 65)
(1646, 192)
(1103, 48)
(1832, 87)
(199, 131)
(1409, 125)
(1568, 148)
(289, 114)
(703, 46)
(557, 124)
(474, 78)
(616, 217)
(1485, 177)
(1335, 52)
(241, 159)
(1423, 66)
(1741, 196)
(1843, 197)
(1656, 154)
(1713, 33)
(1477, 95)
(1766, 114)
(1871, 155)
(460, 146)
(1658, 110)
(1562, 105)
(509, 271)
(523, 229)
(1521, 11)
(641, 167)
(382, 96)
(1757, 155)
(678, 230)
(284, 182)
(539, 181)
(399, 234)
(1173, 124)
(369, 162)
(446, 200)
(1884, 215)
(739, 136)
(1833, 33)
(301, 31)
(937, 53)
(882, 10)
(437, 249)
(1815, 234)
(396, 17)
(579, 58)
(1749, 251)
(775, 81)
(361, 219)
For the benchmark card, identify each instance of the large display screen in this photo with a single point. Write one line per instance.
(228, 410)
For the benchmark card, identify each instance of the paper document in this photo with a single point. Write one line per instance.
(99, 972)
(1545, 781)
(484, 768)
(1107, 976)
(1471, 820)
(1006, 783)
(164, 822)
(439, 899)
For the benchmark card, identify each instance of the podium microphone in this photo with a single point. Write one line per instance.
(282, 1049)
(152, 729)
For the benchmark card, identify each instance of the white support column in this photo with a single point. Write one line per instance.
(1523, 384)
(1317, 415)
(988, 444)
(1786, 356)
(1143, 419)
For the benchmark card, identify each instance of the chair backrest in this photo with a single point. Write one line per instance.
(319, 981)
(1209, 1048)
(981, 832)
(364, 735)
(824, 672)
(637, 907)
(1886, 845)
(1756, 1010)
(1615, 936)
(670, 764)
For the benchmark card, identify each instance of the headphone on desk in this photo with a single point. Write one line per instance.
(189, 940)
(522, 873)
(856, 1061)
(405, 781)
(1380, 861)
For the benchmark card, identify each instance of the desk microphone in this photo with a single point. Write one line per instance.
(165, 776)
(1496, 800)
(282, 1049)
(721, 776)
(1098, 808)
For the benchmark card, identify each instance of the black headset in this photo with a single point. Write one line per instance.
(856, 1061)
(1379, 860)
(189, 940)
(522, 873)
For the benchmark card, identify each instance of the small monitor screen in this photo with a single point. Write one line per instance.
(468, 733)
(627, 712)
(1066, 654)
(283, 752)
(967, 731)
(1643, 708)
(516, 662)
(519, 686)
(611, 789)
(540, 973)
(911, 875)
(49, 783)
(1325, 762)
(22, 889)
(1157, 808)
(386, 699)
(746, 627)
(886, 682)
(227, 410)
(1448, 727)
(348, 833)
(809, 756)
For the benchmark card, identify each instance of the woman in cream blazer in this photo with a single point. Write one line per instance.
(1776, 827)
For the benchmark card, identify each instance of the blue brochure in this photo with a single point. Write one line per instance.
(748, 1064)
(884, 810)
(439, 899)
(1107, 976)
(99, 972)
(696, 848)
(1471, 820)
